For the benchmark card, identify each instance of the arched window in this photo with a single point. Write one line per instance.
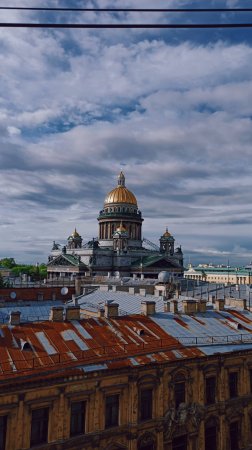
(179, 390)
(181, 387)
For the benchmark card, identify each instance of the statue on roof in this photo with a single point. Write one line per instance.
(55, 246)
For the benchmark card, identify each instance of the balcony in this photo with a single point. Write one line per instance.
(125, 214)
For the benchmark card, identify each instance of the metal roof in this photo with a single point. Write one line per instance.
(206, 290)
(223, 270)
(30, 311)
(48, 348)
(128, 303)
(212, 331)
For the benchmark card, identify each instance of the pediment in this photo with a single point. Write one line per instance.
(161, 263)
(61, 261)
(164, 263)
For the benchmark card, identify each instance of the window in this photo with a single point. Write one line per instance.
(146, 404)
(147, 447)
(146, 442)
(112, 411)
(3, 427)
(39, 426)
(179, 393)
(179, 443)
(234, 435)
(210, 437)
(233, 384)
(77, 421)
(210, 389)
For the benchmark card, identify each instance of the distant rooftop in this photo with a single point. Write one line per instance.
(30, 311)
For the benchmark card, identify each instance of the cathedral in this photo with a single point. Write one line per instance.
(119, 250)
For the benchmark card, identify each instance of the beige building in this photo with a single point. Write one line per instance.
(225, 275)
(123, 382)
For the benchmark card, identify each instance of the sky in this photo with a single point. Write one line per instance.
(171, 107)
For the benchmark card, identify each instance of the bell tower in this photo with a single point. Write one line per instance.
(120, 240)
(167, 243)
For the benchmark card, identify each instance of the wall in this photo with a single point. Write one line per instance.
(167, 420)
(35, 293)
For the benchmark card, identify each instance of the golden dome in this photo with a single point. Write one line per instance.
(120, 194)
(166, 233)
(75, 234)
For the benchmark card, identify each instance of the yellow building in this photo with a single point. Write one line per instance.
(124, 382)
(222, 275)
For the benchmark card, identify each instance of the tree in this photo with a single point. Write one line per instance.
(36, 273)
(9, 263)
(4, 284)
(1, 281)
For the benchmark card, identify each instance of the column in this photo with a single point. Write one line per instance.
(132, 411)
(21, 437)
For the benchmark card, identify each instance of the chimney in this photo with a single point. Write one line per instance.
(219, 304)
(142, 292)
(111, 309)
(104, 288)
(148, 307)
(201, 306)
(101, 312)
(174, 306)
(15, 318)
(177, 292)
(167, 307)
(78, 286)
(131, 290)
(56, 314)
(189, 306)
(72, 313)
(239, 303)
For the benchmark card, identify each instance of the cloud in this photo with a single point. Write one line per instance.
(173, 107)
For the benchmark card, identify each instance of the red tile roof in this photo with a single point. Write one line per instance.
(107, 343)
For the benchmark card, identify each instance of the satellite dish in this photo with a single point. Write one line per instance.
(64, 291)
(164, 277)
(13, 295)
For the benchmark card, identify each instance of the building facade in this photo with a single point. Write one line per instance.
(120, 249)
(113, 383)
(222, 275)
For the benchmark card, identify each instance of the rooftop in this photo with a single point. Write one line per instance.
(30, 311)
(49, 348)
(128, 303)
(44, 349)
